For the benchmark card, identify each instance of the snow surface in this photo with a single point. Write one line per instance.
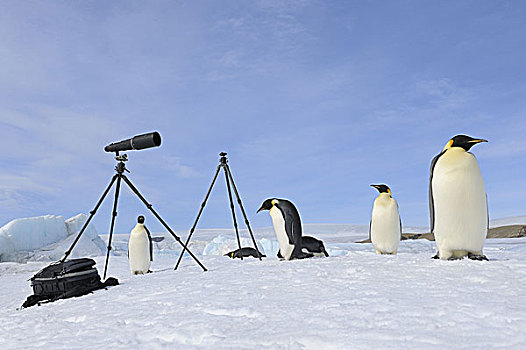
(354, 299)
(514, 220)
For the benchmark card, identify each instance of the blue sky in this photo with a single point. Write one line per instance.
(313, 101)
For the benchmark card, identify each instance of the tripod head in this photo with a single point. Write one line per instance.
(121, 167)
(223, 159)
(119, 158)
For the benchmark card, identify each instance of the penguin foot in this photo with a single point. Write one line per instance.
(451, 258)
(478, 257)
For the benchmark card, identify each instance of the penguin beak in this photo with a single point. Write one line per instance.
(478, 141)
(260, 209)
(375, 186)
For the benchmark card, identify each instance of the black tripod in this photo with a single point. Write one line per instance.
(120, 169)
(223, 163)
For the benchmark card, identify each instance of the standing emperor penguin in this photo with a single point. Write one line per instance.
(140, 248)
(287, 225)
(457, 201)
(385, 229)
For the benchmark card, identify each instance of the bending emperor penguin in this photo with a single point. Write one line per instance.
(457, 201)
(287, 225)
(140, 248)
(385, 229)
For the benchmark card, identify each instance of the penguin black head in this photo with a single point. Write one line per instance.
(267, 204)
(140, 219)
(463, 141)
(382, 188)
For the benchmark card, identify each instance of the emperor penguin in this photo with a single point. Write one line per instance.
(314, 246)
(457, 201)
(244, 252)
(287, 225)
(385, 229)
(311, 245)
(140, 248)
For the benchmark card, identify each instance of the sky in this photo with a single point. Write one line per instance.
(312, 100)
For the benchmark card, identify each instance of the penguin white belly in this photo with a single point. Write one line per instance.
(279, 226)
(139, 252)
(460, 207)
(385, 225)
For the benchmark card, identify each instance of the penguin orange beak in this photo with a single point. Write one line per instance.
(478, 141)
(260, 209)
(375, 186)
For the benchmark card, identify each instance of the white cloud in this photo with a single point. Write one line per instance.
(174, 164)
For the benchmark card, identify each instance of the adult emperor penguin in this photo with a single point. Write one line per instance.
(287, 225)
(457, 201)
(385, 228)
(140, 248)
(310, 245)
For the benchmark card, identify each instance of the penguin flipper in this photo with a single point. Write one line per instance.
(322, 247)
(292, 224)
(399, 218)
(279, 255)
(487, 214)
(431, 202)
(150, 242)
(289, 228)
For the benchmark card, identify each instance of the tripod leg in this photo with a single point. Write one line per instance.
(227, 169)
(113, 216)
(233, 210)
(198, 216)
(92, 214)
(149, 206)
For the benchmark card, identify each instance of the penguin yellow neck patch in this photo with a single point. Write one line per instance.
(449, 144)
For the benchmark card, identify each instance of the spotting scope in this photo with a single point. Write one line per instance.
(152, 139)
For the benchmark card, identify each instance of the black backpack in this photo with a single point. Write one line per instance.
(60, 280)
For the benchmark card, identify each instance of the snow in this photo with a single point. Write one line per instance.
(514, 220)
(354, 299)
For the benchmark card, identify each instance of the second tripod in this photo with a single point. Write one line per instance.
(223, 164)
